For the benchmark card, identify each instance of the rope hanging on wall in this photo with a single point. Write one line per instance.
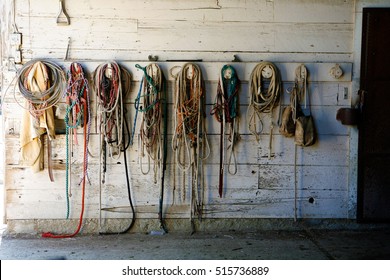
(151, 101)
(42, 84)
(78, 114)
(189, 142)
(265, 88)
(112, 85)
(225, 110)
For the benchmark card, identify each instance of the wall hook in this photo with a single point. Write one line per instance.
(67, 50)
(153, 57)
(236, 58)
(62, 11)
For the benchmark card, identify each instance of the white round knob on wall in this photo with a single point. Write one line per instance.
(267, 72)
(336, 72)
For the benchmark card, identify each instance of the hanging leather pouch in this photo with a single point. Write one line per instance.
(287, 126)
(305, 132)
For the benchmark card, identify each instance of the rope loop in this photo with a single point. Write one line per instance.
(41, 92)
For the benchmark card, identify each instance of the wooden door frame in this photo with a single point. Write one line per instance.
(354, 133)
(363, 84)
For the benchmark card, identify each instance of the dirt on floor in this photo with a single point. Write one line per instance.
(265, 245)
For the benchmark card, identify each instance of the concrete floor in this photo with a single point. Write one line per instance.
(305, 244)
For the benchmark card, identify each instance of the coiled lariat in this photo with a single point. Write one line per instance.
(190, 142)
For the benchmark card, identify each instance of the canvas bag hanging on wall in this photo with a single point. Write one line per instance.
(294, 122)
(305, 133)
(289, 114)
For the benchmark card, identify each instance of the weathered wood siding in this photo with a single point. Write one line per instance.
(317, 33)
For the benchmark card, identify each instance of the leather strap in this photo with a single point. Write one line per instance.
(221, 163)
(49, 160)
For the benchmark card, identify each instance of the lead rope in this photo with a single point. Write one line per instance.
(225, 110)
(107, 80)
(78, 104)
(151, 101)
(112, 85)
(263, 98)
(298, 93)
(189, 141)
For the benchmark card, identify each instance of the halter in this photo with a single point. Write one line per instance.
(225, 110)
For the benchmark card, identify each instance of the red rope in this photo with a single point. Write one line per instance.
(85, 130)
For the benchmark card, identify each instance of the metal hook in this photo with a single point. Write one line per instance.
(67, 50)
(66, 21)
(152, 57)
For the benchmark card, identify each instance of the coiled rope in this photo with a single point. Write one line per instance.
(42, 84)
(112, 85)
(77, 113)
(151, 101)
(189, 141)
(108, 87)
(225, 110)
(41, 97)
(265, 88)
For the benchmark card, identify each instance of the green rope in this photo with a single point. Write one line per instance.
(69, 109)
(154, 92)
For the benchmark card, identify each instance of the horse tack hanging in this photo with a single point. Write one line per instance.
(78, 114)
(112, 85)
(189, 142)
(41, 83)
(225, 110)
(265, 89)
(151, 102)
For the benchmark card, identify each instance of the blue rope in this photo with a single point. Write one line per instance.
(137, 102)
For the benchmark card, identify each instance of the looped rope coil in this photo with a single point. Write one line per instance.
(190, 142)
(78, 114)
(149, 102)
(42, 84)
(42, 99)
(112, 84)
(225, 110)
(265, 89)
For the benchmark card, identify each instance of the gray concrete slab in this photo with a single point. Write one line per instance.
(269, 245)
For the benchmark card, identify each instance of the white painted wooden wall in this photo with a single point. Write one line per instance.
(317, 33)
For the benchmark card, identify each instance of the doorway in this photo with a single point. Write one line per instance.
(374, 127)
